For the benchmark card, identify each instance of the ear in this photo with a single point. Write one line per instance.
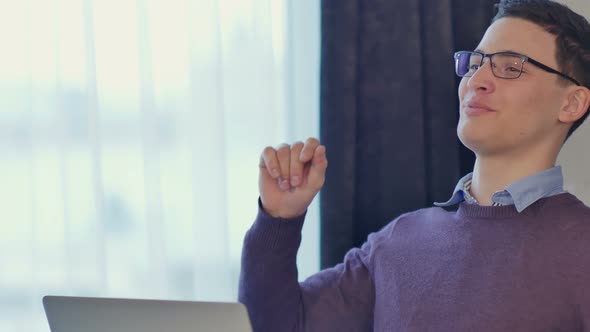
(576, 105)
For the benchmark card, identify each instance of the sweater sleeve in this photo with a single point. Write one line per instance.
(336, 299)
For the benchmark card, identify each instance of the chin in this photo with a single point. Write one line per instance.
(473, 139)
(484, 144)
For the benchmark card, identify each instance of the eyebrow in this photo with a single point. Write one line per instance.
(503, 51)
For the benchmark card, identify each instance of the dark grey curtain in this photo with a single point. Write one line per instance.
(389, 110)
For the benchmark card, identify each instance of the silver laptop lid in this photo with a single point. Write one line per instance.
(87, 314)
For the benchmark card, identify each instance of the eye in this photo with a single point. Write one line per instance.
(473, 67)
(511, 69)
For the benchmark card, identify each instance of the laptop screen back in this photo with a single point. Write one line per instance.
(74, 314)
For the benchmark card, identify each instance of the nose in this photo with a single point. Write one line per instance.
(483, 80)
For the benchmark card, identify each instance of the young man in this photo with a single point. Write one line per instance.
(515, 256)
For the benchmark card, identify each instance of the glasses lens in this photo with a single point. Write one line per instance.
(507, 65)
(466, 63)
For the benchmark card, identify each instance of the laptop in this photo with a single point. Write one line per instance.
(88, 314)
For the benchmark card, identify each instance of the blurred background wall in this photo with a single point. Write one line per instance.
(574, 157)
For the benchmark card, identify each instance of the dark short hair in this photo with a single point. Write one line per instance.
(572, 33)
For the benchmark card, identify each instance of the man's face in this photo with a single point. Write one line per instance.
(499, 116)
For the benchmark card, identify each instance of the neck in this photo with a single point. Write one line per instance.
(495, 173)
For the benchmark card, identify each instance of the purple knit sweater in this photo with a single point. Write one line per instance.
(480, 268)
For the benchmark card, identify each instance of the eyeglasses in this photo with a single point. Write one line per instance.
(504, 64)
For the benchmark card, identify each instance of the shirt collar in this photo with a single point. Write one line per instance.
(458, 193)
(521, 193)
(527, 191)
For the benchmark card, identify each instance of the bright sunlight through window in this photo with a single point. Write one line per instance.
(130, 133)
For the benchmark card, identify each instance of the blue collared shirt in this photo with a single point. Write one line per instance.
(521, 193)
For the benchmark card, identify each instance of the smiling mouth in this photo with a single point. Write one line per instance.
(475, 108)
(470, 110)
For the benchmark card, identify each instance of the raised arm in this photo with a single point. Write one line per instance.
(336, 299)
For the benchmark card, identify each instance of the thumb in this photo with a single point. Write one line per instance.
(317, 170)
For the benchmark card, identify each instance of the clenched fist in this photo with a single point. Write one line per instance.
(291, 176)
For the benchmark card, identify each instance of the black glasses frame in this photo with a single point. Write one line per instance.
(524, 59)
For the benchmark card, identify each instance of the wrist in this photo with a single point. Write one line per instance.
(280, 214)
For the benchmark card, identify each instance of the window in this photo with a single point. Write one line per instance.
(130, 133)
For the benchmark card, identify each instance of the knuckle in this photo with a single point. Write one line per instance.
(283, 151)
(297, 145)
(312, 140)
(269, 150)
